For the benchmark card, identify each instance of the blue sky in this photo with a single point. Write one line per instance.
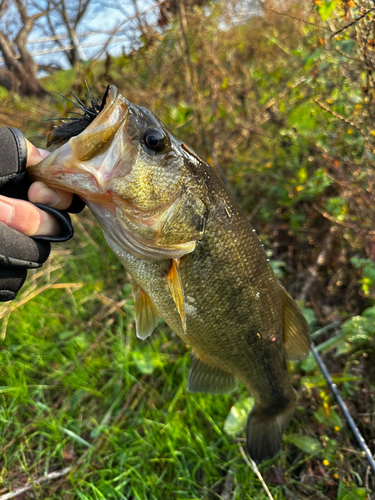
(101, 16)
(105, 16)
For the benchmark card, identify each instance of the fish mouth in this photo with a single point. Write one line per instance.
(90, 163)
(86, 163)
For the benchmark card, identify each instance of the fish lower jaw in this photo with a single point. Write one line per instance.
(84, 185)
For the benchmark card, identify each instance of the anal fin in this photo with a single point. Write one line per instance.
(296, 336)
(207, 378)
(145, 314)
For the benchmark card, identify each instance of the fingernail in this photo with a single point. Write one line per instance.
(6, 212)
(43, 153)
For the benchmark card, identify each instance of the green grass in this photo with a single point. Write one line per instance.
(78, 388)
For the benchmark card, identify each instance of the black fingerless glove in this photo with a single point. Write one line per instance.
(17, 251)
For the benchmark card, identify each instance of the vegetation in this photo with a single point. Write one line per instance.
(282, 107)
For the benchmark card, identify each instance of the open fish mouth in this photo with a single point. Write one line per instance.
(125, 166)
(86, 162)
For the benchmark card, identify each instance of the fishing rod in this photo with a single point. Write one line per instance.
(344, 408)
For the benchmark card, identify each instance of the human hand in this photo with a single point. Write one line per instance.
(26, 217)
(20, 220)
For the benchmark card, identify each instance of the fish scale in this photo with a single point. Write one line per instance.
(194, 258)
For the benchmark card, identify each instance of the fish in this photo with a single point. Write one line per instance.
(195, 260)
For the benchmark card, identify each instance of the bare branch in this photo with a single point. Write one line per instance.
(299, 19)
(254, 468)
(81, 13)
(342, 118)
(3, 6)
(353, 22)
(48, 477)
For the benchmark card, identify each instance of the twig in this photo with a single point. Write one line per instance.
(366, 482)
(300, 19)
(118, 27)
(342, 118)
(23, 301)
(346, 55)
(4, 327)
(192, 78)
(227, 490)
(37, 482)
(350, 225)
(255, 469)
(313, 270)
(353, 22)
(115, 306)
(344, 408)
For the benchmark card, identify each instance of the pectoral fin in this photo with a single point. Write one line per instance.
(296, 330)
(206, 378)
(146, 316)
(175, 287)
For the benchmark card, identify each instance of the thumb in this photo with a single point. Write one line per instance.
(34, 155)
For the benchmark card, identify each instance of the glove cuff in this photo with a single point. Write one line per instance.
(21, 148)
(11, 281)
(13, 154)
(66, 229)
(18, 250)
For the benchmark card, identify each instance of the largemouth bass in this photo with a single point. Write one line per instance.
(195, 260)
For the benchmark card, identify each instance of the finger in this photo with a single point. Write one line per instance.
(27, 218)
(41, 193)
(34, 155)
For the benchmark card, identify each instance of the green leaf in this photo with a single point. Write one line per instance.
(277, 268)
(302, 175)
(75, 436)
(326, 8)
(302, 117)
(308, 364)
(144, 362)
(237, 417)
(307, 312)
(307, 444)
(354, 494)
(369, 312)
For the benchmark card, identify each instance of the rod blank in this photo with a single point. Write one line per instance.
(344, 408)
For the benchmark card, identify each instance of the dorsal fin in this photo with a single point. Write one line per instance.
(296, 335)
(145, 314)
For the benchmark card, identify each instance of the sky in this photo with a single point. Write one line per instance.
(101, 16)
(105, 16)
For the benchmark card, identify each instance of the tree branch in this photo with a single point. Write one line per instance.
(37, 482)
(3, 6)
(353, 22)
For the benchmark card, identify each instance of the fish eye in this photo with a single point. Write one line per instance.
(154, 139)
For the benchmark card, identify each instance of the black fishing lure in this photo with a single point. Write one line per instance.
(72, 126)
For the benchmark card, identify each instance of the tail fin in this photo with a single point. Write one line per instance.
(265, 431)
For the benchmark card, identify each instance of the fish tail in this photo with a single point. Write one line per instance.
(265, 428)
